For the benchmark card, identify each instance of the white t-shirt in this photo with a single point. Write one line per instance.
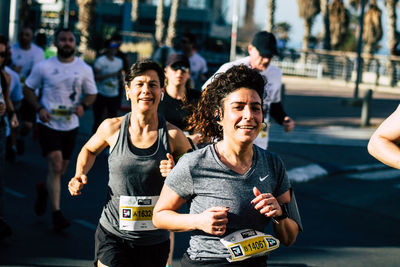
(108, 87)
(62, 86)
(198, 65)
(15, 85)
(26, 58)
(272, 90)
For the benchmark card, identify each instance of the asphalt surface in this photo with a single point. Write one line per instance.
(350, 215)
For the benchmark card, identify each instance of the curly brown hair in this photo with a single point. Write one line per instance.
(203, 119)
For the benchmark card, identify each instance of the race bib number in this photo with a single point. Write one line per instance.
(61, 112)
(136, 213)
(248, 243)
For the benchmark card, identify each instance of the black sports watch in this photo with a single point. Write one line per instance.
(285, 212)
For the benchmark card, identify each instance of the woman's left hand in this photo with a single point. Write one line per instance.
(266, 204)
(14, 121)
(166, 165)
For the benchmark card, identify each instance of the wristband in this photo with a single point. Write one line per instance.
(85, 107)
(285, 212)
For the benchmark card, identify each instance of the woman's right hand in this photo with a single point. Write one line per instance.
(44, 115)
(76, 184)
(213, 220)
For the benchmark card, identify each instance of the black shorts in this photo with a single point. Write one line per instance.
(52, 140)
(27, 111)
(252, 262)
(114, 251)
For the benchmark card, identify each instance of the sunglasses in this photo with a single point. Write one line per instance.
(180, 67)
(3, 54)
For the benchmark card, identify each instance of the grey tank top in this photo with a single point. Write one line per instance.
(134, 175)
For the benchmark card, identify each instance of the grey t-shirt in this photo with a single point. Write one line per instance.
(204, 181)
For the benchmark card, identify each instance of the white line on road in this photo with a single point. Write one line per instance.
(376, 175)
(305, 173)
(86, 224)
(14, 193)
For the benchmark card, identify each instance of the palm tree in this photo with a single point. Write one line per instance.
(372, 33)
(308, 9)
(326, 30)
(172, 23)
(159, 35)
(339, 23)
(271, 6)
(249, 28)
(392, 20)
(392, 38)
(134, 10)
(86, 23)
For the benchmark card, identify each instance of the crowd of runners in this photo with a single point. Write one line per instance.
(186, 140)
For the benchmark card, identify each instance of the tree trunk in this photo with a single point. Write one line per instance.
(392, 38)
(159, 35)
(172, 23)
(307, 33)
(86, 23)
(325, 29)
(134, 10)
(271, 6)
(249, 14)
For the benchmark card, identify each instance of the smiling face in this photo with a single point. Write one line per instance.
(242, 116)
(144, 91)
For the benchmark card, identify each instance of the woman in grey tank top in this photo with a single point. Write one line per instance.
(142, 147)
(233, 187)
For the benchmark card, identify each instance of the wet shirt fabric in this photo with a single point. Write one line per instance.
(174, 110)
(204, 181)
(62, 85)
(136, 176)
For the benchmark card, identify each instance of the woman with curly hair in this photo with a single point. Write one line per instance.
(234, 188)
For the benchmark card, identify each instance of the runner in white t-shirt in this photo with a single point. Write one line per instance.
(24, 55)
(68, 88)
(261, 50)
(108, 72)
(198, 65)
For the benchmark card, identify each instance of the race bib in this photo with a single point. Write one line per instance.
(136, 213)
(247, 243)
(59, 112)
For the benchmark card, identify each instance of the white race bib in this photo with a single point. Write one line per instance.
(247, 243)
(59, 112)
(136, 213)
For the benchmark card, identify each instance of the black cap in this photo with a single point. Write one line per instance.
(265, 43)
(178, 58)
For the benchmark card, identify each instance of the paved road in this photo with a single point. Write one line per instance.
(350, 219)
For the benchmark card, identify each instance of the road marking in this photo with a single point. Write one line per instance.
(305, 173)
(14, 193)
(331, 135)
(86, 224)
(376, 175)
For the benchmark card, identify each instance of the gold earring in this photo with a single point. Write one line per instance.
(220, 128)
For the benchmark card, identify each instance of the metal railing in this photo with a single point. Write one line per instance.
(376, 69)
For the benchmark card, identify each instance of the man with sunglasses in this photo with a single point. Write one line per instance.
(108, 70)
(261, 50)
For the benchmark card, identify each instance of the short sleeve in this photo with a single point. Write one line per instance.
(180, 179)
(89, 85)
(34, 80)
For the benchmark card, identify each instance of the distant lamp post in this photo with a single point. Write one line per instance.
(235, 18)
(359, 50)
(66, 13)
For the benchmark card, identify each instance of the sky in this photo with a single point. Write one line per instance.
(287, 11)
